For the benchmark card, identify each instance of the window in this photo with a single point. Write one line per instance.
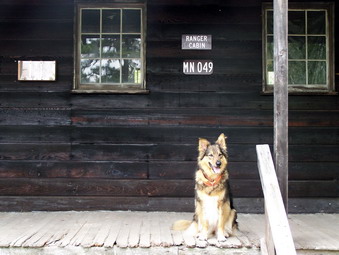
(310, 49)
(110, 49)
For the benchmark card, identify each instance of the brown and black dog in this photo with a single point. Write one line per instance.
(214, 212)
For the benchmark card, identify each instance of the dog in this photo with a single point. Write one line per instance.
(214, 211)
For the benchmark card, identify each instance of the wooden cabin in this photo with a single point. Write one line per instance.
(102, 102)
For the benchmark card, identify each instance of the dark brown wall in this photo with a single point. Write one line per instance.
(62, 151)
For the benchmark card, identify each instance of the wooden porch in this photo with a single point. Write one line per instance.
(118, 232)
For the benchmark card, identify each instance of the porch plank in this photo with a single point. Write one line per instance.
(104, 230)
(306, 232)
(134, 234)
(327, 223)
(122, 238)
(115, 226)
(243, 239)
(74, 226)
(155, 230)
(253, 228)
(62, 229)
(165, 230)
(145, 232)
(90, 230)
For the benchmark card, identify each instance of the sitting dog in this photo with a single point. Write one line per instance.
(214, 212)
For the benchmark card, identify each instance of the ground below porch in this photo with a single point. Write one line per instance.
(126, 232)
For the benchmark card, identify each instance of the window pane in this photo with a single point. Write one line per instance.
(296, 47)
(131, 22)
(90, 45)
(269, 22)
(317, 72)
(110, 46)
(110, 71)
(131, 46)
(131, 71)
(296, 72)
(296, 22)
(90, 21)
(316, 22)
(316, 47)
(270, 47)
(111, 21)
(90, 71)
(270, 72)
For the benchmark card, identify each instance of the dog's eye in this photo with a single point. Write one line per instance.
(220, 155)
(210, 155)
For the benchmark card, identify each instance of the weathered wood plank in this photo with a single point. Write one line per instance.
(89, 231)
(35, 151)
(148, 188)
(126, 226)
(62, 228)
(253, 229)
(135, 231)
(278, 233)
(35, 116)
(145, 232)
(115, 227)
(104, 230)
(165, 230)
(304, 232)
(73, 228)
(73, 169)
(155, 231)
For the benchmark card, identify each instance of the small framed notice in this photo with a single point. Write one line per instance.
(29, 70)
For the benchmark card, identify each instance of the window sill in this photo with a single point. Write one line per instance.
(89, 91)
(305, 93)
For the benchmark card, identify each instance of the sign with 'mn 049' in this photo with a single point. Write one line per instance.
(197, 67)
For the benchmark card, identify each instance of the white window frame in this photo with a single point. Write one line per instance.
(130, 88)
(329, 88)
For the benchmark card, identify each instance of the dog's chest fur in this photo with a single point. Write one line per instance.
(210, 207)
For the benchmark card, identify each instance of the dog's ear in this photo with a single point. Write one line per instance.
(222, 142)
(203, 144)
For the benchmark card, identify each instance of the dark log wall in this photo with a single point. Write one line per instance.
(64, 151)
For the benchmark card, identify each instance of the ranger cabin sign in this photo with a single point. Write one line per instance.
(196, 42)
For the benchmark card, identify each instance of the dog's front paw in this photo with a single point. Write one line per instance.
(202, 237)
(221, 238)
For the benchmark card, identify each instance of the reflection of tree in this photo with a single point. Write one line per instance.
(90, 47)
(90, 70)
(110, 71)
(128, 69)
(131, 46)
(110, 47)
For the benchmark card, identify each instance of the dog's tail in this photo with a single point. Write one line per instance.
(181, 225)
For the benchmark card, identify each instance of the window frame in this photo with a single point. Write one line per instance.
(329, 88)
(127, 88)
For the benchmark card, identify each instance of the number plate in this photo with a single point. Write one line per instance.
(197, 67)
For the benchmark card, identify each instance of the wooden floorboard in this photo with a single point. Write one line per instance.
(135, 230)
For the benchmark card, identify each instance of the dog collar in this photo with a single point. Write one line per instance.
(211, 183)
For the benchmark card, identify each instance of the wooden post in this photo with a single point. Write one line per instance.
(281, 95)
